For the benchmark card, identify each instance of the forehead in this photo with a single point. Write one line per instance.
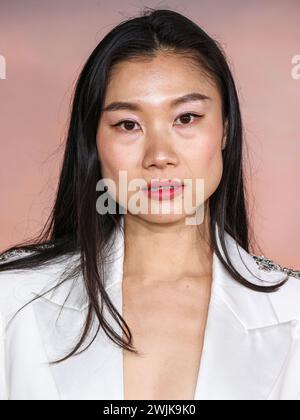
(154, 78)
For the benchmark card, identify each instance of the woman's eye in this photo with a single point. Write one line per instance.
(129, 125)
(185, 118)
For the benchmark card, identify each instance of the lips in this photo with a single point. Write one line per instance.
(154, 184)
(162, 190)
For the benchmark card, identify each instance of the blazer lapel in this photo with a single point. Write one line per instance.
(96, 373)
(248, 334)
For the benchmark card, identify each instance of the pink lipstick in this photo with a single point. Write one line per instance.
(163, 190)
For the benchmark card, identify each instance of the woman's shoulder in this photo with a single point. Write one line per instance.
(20, 285)
(256, 306)
(287, 297)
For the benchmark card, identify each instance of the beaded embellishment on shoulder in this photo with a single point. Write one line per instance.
(15, 253)
(266, 264)
(18, 252)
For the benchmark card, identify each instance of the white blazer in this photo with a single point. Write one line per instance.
(251, 346)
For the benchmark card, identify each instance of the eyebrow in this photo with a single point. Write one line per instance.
(190, 97)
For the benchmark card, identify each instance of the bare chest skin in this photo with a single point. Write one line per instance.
(167, 320)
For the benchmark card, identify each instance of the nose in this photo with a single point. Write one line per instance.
(159, 152)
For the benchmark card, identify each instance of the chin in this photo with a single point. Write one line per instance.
(163, 218)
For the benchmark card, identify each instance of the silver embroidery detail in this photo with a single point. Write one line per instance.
(18, 252)
(266, 264)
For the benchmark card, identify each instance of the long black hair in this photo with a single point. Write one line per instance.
(67, 231)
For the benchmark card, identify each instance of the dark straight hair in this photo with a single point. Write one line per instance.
(66, 231)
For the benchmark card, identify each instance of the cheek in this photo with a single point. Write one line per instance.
(204, 159)
(110, 163)
(213, 160)
(205, 153)
(113, 158)
(212, 168)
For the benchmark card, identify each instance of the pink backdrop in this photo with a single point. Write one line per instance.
(44, 45)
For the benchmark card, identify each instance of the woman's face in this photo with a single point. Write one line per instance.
(163, 138)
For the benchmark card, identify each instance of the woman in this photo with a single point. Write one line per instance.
(112, 302)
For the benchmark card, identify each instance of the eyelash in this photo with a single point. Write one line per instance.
(182, 115)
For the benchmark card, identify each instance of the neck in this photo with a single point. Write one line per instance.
(166, 251)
